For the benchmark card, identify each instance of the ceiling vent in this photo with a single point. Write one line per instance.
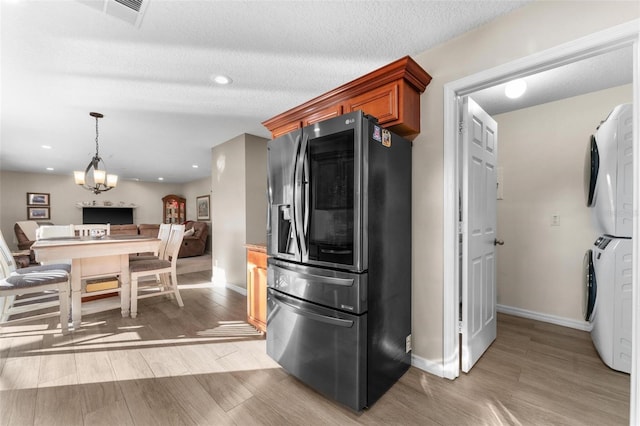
(130, 11)
(135, 5)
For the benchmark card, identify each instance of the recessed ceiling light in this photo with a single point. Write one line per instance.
(46, 146)
(50, 169)
(195, 166)
(516, 88)
(160, 178)
(221, 79)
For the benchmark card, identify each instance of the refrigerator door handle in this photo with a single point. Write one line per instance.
(295, 205)
(300, 203)
(269, 203)
(305, 182)
(311, 315)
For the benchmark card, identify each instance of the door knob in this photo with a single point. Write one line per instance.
(498, 242)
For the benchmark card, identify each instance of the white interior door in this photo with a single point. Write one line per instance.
(479, 181)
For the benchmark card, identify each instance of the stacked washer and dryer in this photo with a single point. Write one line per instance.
(608, 264)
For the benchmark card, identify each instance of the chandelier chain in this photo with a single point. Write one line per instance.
(97, 148)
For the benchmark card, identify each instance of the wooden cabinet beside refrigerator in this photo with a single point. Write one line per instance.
(257, 286)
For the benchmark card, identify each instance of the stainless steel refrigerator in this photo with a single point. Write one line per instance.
(339, 271)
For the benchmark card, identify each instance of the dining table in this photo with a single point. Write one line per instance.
(95, 258)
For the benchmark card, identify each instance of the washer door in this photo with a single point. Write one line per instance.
(591, 167)
(590, 287)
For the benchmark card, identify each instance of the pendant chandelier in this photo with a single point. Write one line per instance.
(101, 180)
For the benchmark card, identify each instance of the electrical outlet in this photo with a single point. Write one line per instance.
(408, 344)
(555, 219)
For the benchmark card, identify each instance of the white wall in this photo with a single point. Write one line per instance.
(227, 170)
(256, 187)
(542, 151)
(238, 188)
(532, 28)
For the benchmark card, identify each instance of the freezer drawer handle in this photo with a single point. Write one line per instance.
(328, 320)
(331, 251)
(346, 282)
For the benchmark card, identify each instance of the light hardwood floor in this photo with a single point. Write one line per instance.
(203, 364)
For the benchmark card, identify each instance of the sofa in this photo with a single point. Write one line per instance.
(149, 230)
(26, 235)
(194, 242)
(129, 229)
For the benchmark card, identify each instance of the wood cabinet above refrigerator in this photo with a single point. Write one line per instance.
(391, 94)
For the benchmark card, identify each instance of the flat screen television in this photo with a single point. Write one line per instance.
(112, 215)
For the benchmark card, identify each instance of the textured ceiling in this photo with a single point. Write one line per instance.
(62, 59)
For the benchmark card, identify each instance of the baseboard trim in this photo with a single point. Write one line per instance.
(428, 366)
(437, 369)
(237, 289)
(552, 319)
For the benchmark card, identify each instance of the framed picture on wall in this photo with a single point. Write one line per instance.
(38, 213)
(202, 207)
(37, 199)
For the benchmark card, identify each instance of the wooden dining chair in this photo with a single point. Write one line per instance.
(35, 286)
(54, 231)
(163, 236)
(8, 264)
(164, 266)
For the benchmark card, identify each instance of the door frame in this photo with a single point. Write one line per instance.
(627, 34)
